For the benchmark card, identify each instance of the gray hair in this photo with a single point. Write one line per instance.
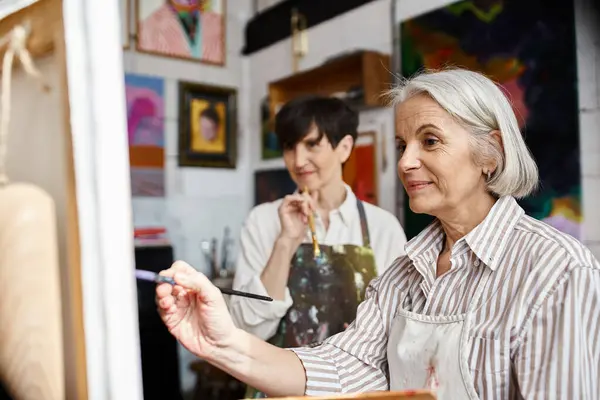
(478, 104)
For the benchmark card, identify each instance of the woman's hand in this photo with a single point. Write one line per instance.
(293, 215)
(194, 311)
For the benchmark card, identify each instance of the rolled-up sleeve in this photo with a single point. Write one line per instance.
(260, 318)
(559, 355)
(354, 360)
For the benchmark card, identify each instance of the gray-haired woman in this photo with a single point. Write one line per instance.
(488, 303)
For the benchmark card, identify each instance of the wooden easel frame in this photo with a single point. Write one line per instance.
(46, 38)
(83, 37)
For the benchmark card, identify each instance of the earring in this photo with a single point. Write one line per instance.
(488, 175)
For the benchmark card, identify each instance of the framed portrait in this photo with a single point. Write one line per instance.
(363, 180)
(207, 126)
(125, 15)
(192, 30)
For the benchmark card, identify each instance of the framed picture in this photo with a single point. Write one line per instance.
(363, 180)
(207, 126)
(185, 29)
(125, 15)
(145, 97)
(272, 184)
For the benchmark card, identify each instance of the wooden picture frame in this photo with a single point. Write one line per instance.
(364, 181)
(210, 49)
(207, 126)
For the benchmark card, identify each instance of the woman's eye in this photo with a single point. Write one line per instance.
(431, 141)
(311, 144)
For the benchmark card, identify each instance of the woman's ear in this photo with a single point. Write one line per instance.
(496, 136)
(344, 148)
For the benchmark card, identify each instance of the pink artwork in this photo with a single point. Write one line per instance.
(189, 29)
(145, 131)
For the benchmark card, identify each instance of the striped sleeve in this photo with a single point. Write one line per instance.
(559, 356)
(354, 360)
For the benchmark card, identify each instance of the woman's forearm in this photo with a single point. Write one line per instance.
(275, 275)
(272, 370)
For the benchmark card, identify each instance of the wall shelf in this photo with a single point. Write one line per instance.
(366, 71)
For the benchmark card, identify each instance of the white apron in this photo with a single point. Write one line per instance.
(430, 352)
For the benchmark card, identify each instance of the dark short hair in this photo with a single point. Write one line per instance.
(211, 114)
(332, 117)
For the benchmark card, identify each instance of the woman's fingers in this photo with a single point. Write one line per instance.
(311, 201)
(191, 280)
(163, 290)
(164, 303)
(299, 202)
(167, 295)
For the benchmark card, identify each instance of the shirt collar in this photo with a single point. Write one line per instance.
(348, 209)
(488, 240)
(427, 244)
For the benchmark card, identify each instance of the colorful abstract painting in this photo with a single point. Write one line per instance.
(146, 133)
(529, 48)
(186, 29)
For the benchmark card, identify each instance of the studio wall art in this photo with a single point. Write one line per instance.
(529, 48)
(146, 134)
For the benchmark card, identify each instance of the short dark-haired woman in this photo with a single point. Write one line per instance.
(313, 298)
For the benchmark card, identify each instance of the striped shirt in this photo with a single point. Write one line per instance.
(534, 333)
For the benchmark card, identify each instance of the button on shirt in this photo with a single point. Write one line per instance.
(535, 333)
(258, 237)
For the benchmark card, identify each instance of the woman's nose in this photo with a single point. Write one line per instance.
(410, 159)
(300, 157)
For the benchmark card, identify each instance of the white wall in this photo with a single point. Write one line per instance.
(262, 5)
(199, 202)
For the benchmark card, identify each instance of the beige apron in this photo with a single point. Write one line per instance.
(431, 352)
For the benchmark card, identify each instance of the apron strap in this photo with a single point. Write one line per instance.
(363, 223)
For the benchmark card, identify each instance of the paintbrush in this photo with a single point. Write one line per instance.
(313, 232)
(154, 277)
